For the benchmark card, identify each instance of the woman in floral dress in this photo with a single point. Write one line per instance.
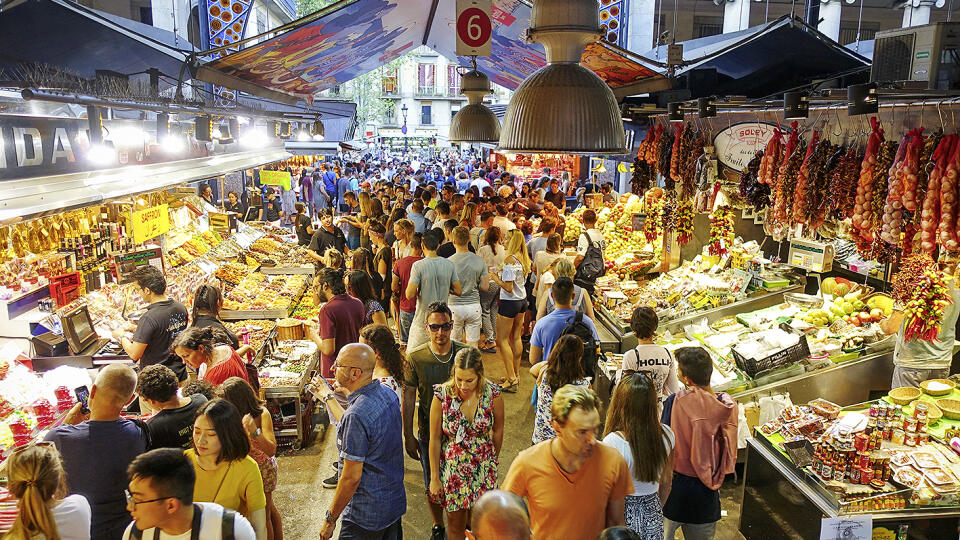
(466, 433)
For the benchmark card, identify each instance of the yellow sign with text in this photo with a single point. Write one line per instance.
(275, 178)
(150, 223)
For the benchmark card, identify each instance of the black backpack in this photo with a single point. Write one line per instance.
(591, 267)
(580, 329)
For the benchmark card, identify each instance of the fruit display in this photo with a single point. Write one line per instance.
(258, 331)
(196, 246)
(232, 272)
(260, 292)
(288, 357)
(306, 310)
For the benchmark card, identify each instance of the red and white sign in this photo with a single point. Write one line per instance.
(737, 144)
(474, 28)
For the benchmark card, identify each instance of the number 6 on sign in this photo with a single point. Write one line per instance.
(474, 28)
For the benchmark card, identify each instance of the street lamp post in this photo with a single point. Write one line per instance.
(404, 110)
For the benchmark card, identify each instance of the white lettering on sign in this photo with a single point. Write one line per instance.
(19, 140)
(61, 146)
(737, 144)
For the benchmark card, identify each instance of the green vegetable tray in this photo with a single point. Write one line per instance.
(745, 318)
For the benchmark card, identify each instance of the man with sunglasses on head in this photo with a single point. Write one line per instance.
(160, 499)
(426, 366)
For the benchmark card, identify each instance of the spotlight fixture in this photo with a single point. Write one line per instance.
(674, 112)
(796, 105)
(706, 109)
(95, 125)
(283, 130)
(163, 126)
(273, 128)
(317, 131)
(475, 122)
(862, 99)
(203, 128)
(563, 107)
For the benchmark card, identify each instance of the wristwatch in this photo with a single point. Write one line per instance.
(257, 432)
(331, 518)
(329, 396)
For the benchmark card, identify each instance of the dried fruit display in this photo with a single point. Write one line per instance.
(930, 214)
(892, 215)
(862, 217)
(755, 192)
(651, 155)
(675, 158)
(665, 158)
(843, 184)
(801, 208)
(910, 172)
(924, 311)
(772, 155)
(642, 178)
(784, 190)
(948, 200)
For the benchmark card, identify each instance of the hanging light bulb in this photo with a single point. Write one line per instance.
(475, 122)
(317, 130)
(796, 105)
(563, 106)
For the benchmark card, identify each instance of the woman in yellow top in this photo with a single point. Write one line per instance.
(226, 475)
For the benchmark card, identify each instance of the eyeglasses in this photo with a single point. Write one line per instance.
(132, 503)
(338, 366)
(440, 327)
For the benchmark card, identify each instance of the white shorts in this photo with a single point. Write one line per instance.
(466, 322)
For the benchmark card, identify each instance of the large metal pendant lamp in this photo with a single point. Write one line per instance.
(475, 122)
(563, 107)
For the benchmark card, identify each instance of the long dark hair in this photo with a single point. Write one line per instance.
(206, 299)
(360, 286)
(633, 412)
(492, 238)
(363, 261)
(563, 366)
(381, 340)
(234, 441)
(241, 394)
(197, 339)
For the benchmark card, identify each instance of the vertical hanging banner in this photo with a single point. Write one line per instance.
(227, 22)
(474, 28)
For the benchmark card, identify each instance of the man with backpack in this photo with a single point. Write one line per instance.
(589, 260)
(560, 322)
(160, 499)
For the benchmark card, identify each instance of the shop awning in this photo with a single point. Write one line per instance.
(352, 37)
(763, 60)
(35, 197)
(82, 41)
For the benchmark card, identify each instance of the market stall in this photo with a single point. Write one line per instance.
(529, 167)
(893, 459)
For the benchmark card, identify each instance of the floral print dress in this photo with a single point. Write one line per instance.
(468, 460)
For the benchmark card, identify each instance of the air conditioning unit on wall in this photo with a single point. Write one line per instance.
(920, 53)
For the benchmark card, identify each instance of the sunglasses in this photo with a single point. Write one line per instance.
(438, 327)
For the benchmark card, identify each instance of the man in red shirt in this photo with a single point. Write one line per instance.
(340, 318)
(406, 307)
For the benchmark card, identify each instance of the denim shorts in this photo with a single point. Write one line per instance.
(511, 308)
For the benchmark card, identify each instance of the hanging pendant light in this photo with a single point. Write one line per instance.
(475, 122)
(563, 107)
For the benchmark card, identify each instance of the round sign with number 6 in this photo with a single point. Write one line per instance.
(473, 27)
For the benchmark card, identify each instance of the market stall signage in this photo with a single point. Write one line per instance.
(150, 223)
(275, 178)
(737, 144)
(474, 28)
(126, 263)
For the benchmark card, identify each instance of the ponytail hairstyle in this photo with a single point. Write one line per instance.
(380, 339)
(35, 477)
(206, 300)
(200, 339)
(466, 358)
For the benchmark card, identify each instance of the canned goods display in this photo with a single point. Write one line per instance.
(860, 442)
(866, 475)
(910, 439)
(864, 460)
(896, 436)
(910, 424)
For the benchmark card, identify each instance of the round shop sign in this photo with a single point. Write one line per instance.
(737, 144)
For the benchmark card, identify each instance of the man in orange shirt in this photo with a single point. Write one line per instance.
(575, 485)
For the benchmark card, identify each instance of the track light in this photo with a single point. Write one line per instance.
(94, 125)
(796, 105)
(862, 99)
(706, 109)
(203, 128)
(317, 131)
(674, 112)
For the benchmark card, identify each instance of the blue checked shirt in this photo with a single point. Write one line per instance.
(370, 432)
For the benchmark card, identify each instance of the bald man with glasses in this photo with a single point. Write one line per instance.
(370, 496)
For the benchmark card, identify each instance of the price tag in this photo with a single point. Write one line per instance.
(275, 178)
(126, 263)
(474, 28)
(150, 223)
